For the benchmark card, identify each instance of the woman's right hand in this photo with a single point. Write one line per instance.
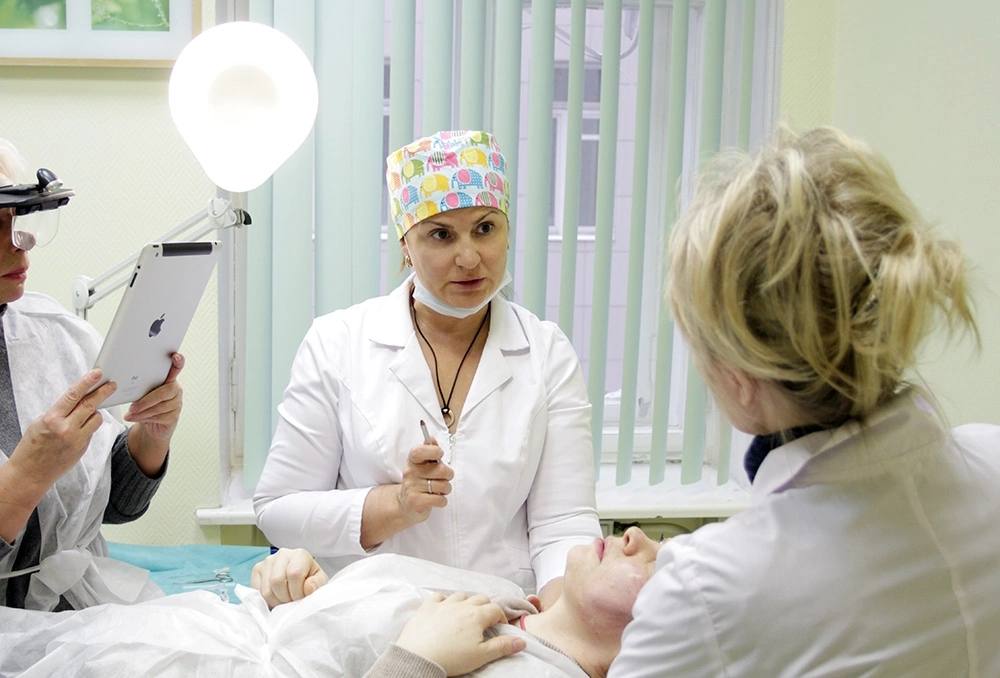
(392, 508)
(426, 482)
(286, 576)
(50, 446)
(54, 442)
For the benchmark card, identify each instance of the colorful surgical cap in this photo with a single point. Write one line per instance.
(445, 171)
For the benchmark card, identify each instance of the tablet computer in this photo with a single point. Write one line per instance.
(162, 295)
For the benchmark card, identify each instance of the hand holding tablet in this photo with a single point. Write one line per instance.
(166, 286)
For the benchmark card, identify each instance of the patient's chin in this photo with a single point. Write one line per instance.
(610, 610)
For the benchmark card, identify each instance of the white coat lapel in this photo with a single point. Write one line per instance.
(391, 326)
(506, 336)
(410, 367)
(492, 373)
(395, 329)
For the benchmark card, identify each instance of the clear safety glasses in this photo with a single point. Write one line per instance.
(38, 227)
(34, 209)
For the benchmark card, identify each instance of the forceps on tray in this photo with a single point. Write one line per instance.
(217, 584)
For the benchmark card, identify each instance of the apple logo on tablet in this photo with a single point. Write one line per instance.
(154, 329)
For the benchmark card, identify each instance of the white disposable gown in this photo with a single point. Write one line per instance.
(49, 350)
(340, 630)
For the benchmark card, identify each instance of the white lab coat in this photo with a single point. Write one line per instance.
(523, 491)
(867, 551)
(49, 350)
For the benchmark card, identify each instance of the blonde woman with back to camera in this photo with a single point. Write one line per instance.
(805, 280)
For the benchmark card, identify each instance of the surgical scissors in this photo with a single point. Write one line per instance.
(221, 576)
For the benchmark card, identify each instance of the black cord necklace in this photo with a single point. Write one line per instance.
(446, 413)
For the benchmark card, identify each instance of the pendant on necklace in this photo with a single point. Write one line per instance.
(448, 417)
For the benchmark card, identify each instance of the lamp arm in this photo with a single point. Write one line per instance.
(220, 213)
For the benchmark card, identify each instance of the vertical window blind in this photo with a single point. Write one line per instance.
(604, 111)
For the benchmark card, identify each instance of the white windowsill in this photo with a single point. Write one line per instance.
(636, 500)
(239, 513)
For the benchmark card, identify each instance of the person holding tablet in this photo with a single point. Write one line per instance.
(66, 467)
(502, 481)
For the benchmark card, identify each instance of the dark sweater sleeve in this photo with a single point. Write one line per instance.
(399, 663)
(131, 489)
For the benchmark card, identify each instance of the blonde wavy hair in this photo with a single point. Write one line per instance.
(806, 265)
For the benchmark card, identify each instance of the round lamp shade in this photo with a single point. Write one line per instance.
(244, 98)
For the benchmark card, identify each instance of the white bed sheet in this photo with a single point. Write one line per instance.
(338, 631)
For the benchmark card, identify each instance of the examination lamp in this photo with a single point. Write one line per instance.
(243, 97)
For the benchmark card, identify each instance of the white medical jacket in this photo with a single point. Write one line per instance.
(523, 491)
(868, 550)
(49, 350)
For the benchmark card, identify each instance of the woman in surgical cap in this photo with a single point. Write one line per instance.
(65, 466)
(440, 421)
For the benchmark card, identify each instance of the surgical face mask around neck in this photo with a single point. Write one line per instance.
(425, 297)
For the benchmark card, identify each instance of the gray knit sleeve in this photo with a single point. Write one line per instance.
(131, 489)
(399, 663)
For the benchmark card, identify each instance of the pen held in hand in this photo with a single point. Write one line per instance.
(427, 439)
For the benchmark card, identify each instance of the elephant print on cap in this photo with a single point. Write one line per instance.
(495, 182)
(433, 183)
(409, 197)
(497, 162)
(466, 178)
(396, 158)
(455, 200)
(419, 146)
(425, 209)
(412, 169)
(451, 169)
(441, 159)
(474, 157)
(487, 199)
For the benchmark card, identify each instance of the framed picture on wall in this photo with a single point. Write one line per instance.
(148, 33)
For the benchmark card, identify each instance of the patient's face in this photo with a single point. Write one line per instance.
(603, 579)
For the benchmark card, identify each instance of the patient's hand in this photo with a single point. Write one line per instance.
(289, 574)
(449, 632)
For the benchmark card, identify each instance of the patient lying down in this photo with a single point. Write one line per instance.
(344, 627)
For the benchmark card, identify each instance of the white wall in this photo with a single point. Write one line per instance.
(920, 82)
